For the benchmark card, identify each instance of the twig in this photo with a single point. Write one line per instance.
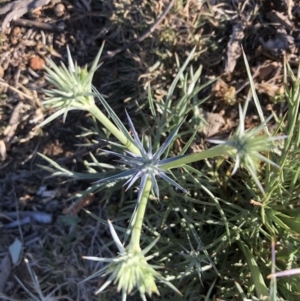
(111, 54)
(13, 123)
(16, 90)
(40, 25)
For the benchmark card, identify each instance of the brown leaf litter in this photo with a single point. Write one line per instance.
(17, 9)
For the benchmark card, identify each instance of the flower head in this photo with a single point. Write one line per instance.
(73, 88)
(146, 165)
(245, 147)
(130, 270)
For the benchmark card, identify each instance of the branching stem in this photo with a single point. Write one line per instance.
(113, 129)
(134, 245)
(219, 150)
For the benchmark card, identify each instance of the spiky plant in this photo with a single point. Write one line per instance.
(129, 269)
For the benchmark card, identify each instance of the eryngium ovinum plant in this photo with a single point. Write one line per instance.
(130, 270)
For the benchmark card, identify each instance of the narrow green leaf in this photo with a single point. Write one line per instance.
(258, 280)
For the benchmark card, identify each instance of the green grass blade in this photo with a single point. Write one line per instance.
(258, 280)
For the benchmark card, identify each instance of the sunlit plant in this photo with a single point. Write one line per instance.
(130, 269)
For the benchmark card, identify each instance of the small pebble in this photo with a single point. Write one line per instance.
(14, 40)
(36, 63)
(59, 10)
(16, 31)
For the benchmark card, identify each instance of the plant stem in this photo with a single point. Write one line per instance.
(113, 129)
(210, 153)
(134, 245)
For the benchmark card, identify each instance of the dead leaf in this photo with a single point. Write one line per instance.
(234, 49)
(214, 123)
(268, 71)
(268, 88)
(15, 250)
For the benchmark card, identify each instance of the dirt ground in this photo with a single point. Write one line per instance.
(35, 31)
